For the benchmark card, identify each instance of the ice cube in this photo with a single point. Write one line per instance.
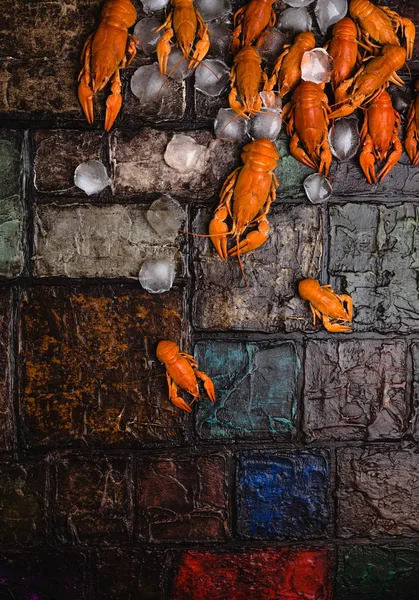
(344, 137)
(150, 6)
(295, 20)
(265, 124)
(228, 125)
(270, 43)
(184, 154)
(316, 66)
(213, 9)
(157, 276)
(91, 177)
(271, 100)
(400, 97)
(144, 32)
(329, 12)
(220, 38)
(150, 87)
(177, 65)
(212, 77)
(318, 188)
(166, 216)
(298, 3)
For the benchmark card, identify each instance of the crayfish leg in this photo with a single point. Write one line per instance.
(335, 327)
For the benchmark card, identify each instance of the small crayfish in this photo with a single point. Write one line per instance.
(411, 143)
(380, 133)
(287, 68)
(104, 53)
(246, 197)
(182, 371)
(186, 24)
(250, 21)
(245, 79)
(343, 48)
(327, 306)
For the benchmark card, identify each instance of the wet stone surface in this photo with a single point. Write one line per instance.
(6, 404)
(256, 388)
(282, 495)
(355, 390)
(292, 252)
(381, 485)
(374, 251)
(183, 499)
(90, 374)
(415, 419)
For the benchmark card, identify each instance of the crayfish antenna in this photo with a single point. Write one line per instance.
(241, 265)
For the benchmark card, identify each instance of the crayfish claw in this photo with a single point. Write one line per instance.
(255, 239)
(85, 94)
(208, 385)
(201, 50)
(218, 233)
(180, 403)
(335, 327)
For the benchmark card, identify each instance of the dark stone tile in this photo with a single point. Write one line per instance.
(7, 420)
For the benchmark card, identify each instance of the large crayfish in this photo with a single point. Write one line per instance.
(327, 306)
(246, 197)
(250, 21)
(411, 142)
(287, 68)
(182, 371)
(104, 53)
(246, 78)
(185, 24)
(343, 48)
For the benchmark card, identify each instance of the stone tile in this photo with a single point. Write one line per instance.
(139, 166)
(58, 153)
(183, 499)
(265, 574)
(369, 572)
(83, 240)
(270, 303)
(89, 371)
(93, 500)
(374, 250)
(256, 387)
(282, 495)
(7, 420)
(377, 493)
(207, 107)
(415, 419)
(290, 172)
(355, 390)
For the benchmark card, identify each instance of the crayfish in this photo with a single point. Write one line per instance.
(182, 371)
(343, 48)
(327, 306)
(104, 53)
(246, 77)
(412, 130)
(287, 68)
(250, 21)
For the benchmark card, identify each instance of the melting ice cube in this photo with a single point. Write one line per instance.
(271, 100)
(295, 20)
(316, 66)
(212, 77)
(270, 43)
(177, 65)
(166, 216)
(144, 32)
(298, 3)
(344, 137)
(157, 276)
(213, 9)
(150, 6)
(91, 177)
(220, 38)
(150, 87)
(265, 124)
(318, 188)
(184, 154)
(329, 12)
(228, 125)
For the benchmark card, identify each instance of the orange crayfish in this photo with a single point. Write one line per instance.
(343, 48)
(308, 120)
(287, 67)
(184, 22)
(246, 77)
(381, 24)
(327, 306)
(250, 21)
(246, 197)
(104, 53)
(412, 130)
(379, 133)
(182, 371)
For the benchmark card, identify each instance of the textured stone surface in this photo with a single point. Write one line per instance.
(89, 368)
(290, 172)
(374, 249)
(415, 419)
(183, 499)
(378, 573)
(268, 574)
(99, 241)
(355, 390)
(93, 500)
(7, 440)
(256, 387)
(270, 303)
(381, 485)
(282, 495)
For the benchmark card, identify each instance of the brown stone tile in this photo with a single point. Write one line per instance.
(6, 402)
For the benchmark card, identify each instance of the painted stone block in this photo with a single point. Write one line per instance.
(290, 172)
(282, 495)
(183, 499)
(7, 421)
(89, 370)
(415, 418)
(256, 388)
(265, 574)
(377, 492)
(83, 240)
(374, 251)
(93, 501)
(355, 390)
(378, 573)
(270, 303)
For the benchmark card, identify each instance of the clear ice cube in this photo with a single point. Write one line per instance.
(213, 9)
(144, 32)
(177, 65)
(220, 39)
(228, 125)
(270, 44)
(318, 188)
(316, 66)
(265, 124)
(295, 20)
(271, 100)
(344, 137)
(184, 154)
(91, 177)
(329, 12)
(298, 3)
(157, 276)
(212, 77)
(150, 6)
(150, 87)
(166, 216)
